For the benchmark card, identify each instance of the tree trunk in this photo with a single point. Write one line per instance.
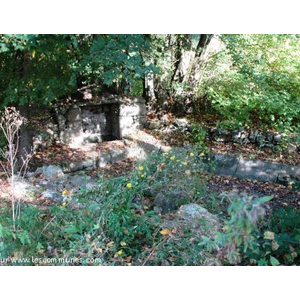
(26, 134)
(202, 45)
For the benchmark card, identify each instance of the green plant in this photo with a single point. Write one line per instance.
(278, 239)
(239, 231)
(199, 136)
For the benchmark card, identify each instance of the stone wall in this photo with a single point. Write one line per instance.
(254, 169)
(261, 139)
(101, 119)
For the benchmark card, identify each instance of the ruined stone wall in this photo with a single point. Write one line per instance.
(100, 120)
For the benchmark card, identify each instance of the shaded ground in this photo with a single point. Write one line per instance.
(282, 196)
(250, 151)
(59, 153)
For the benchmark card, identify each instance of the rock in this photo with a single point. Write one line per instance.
(61, 120)
(292, 149)
(103, 160)
(165, 119)
(93, 138)
(252, 136)
(193, 212)
(220, 135)
(225, 164)
(288, 173)
(165, 202)
(91, 186)
(181, 123)
(236, 136)
(269, 137)
(154, 124)
(51, 172)
(81, 165)
(52, 195)
(74, 114)
(257, 170)
(194, 218)
(277, 138)
(260, 139)
(118, 154)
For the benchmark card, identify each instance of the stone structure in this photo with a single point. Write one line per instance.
(254, 169)
(101, 119)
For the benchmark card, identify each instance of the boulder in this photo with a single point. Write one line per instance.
(73, 114)
(252, 136)
(225, 164)
(118, 154)
(154, 124)
(81, 165)
(195, 219)
(292, 149)
(165, 202)
(51, 172)
(181, 123)
(103, 160)
(52, 195)
(257, 170)
(277, 138)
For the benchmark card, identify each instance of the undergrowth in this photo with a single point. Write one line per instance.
(116, 224)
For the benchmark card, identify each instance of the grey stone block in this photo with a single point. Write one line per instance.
(257, 170)
(103, 160)
(81, 165)
(118, 154)
(225, 164)
(73, 114)
(288, 173)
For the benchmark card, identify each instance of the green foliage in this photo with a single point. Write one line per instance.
(257, 81)
(44, 68)
(279, 239)
(239, 231)
(109, 223)
(199, 136)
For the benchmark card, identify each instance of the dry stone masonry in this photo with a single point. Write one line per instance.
(255, 169)
(102, 119)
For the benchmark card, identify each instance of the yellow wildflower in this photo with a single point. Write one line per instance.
(185, 163)
(202, 154)
(172, 157)
(177, 160)
(120, 252)
(165, 231)
(64, 204)
(142, 175)
(129, 185)
(192, 154)
(64, 192)
(141, 168)
(123, 244)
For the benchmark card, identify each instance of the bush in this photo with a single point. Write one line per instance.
(254, 81)
(279, 239)
(113, 223)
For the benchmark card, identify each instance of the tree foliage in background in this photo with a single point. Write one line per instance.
(256, 81)
(245, 79)
(44, 68)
